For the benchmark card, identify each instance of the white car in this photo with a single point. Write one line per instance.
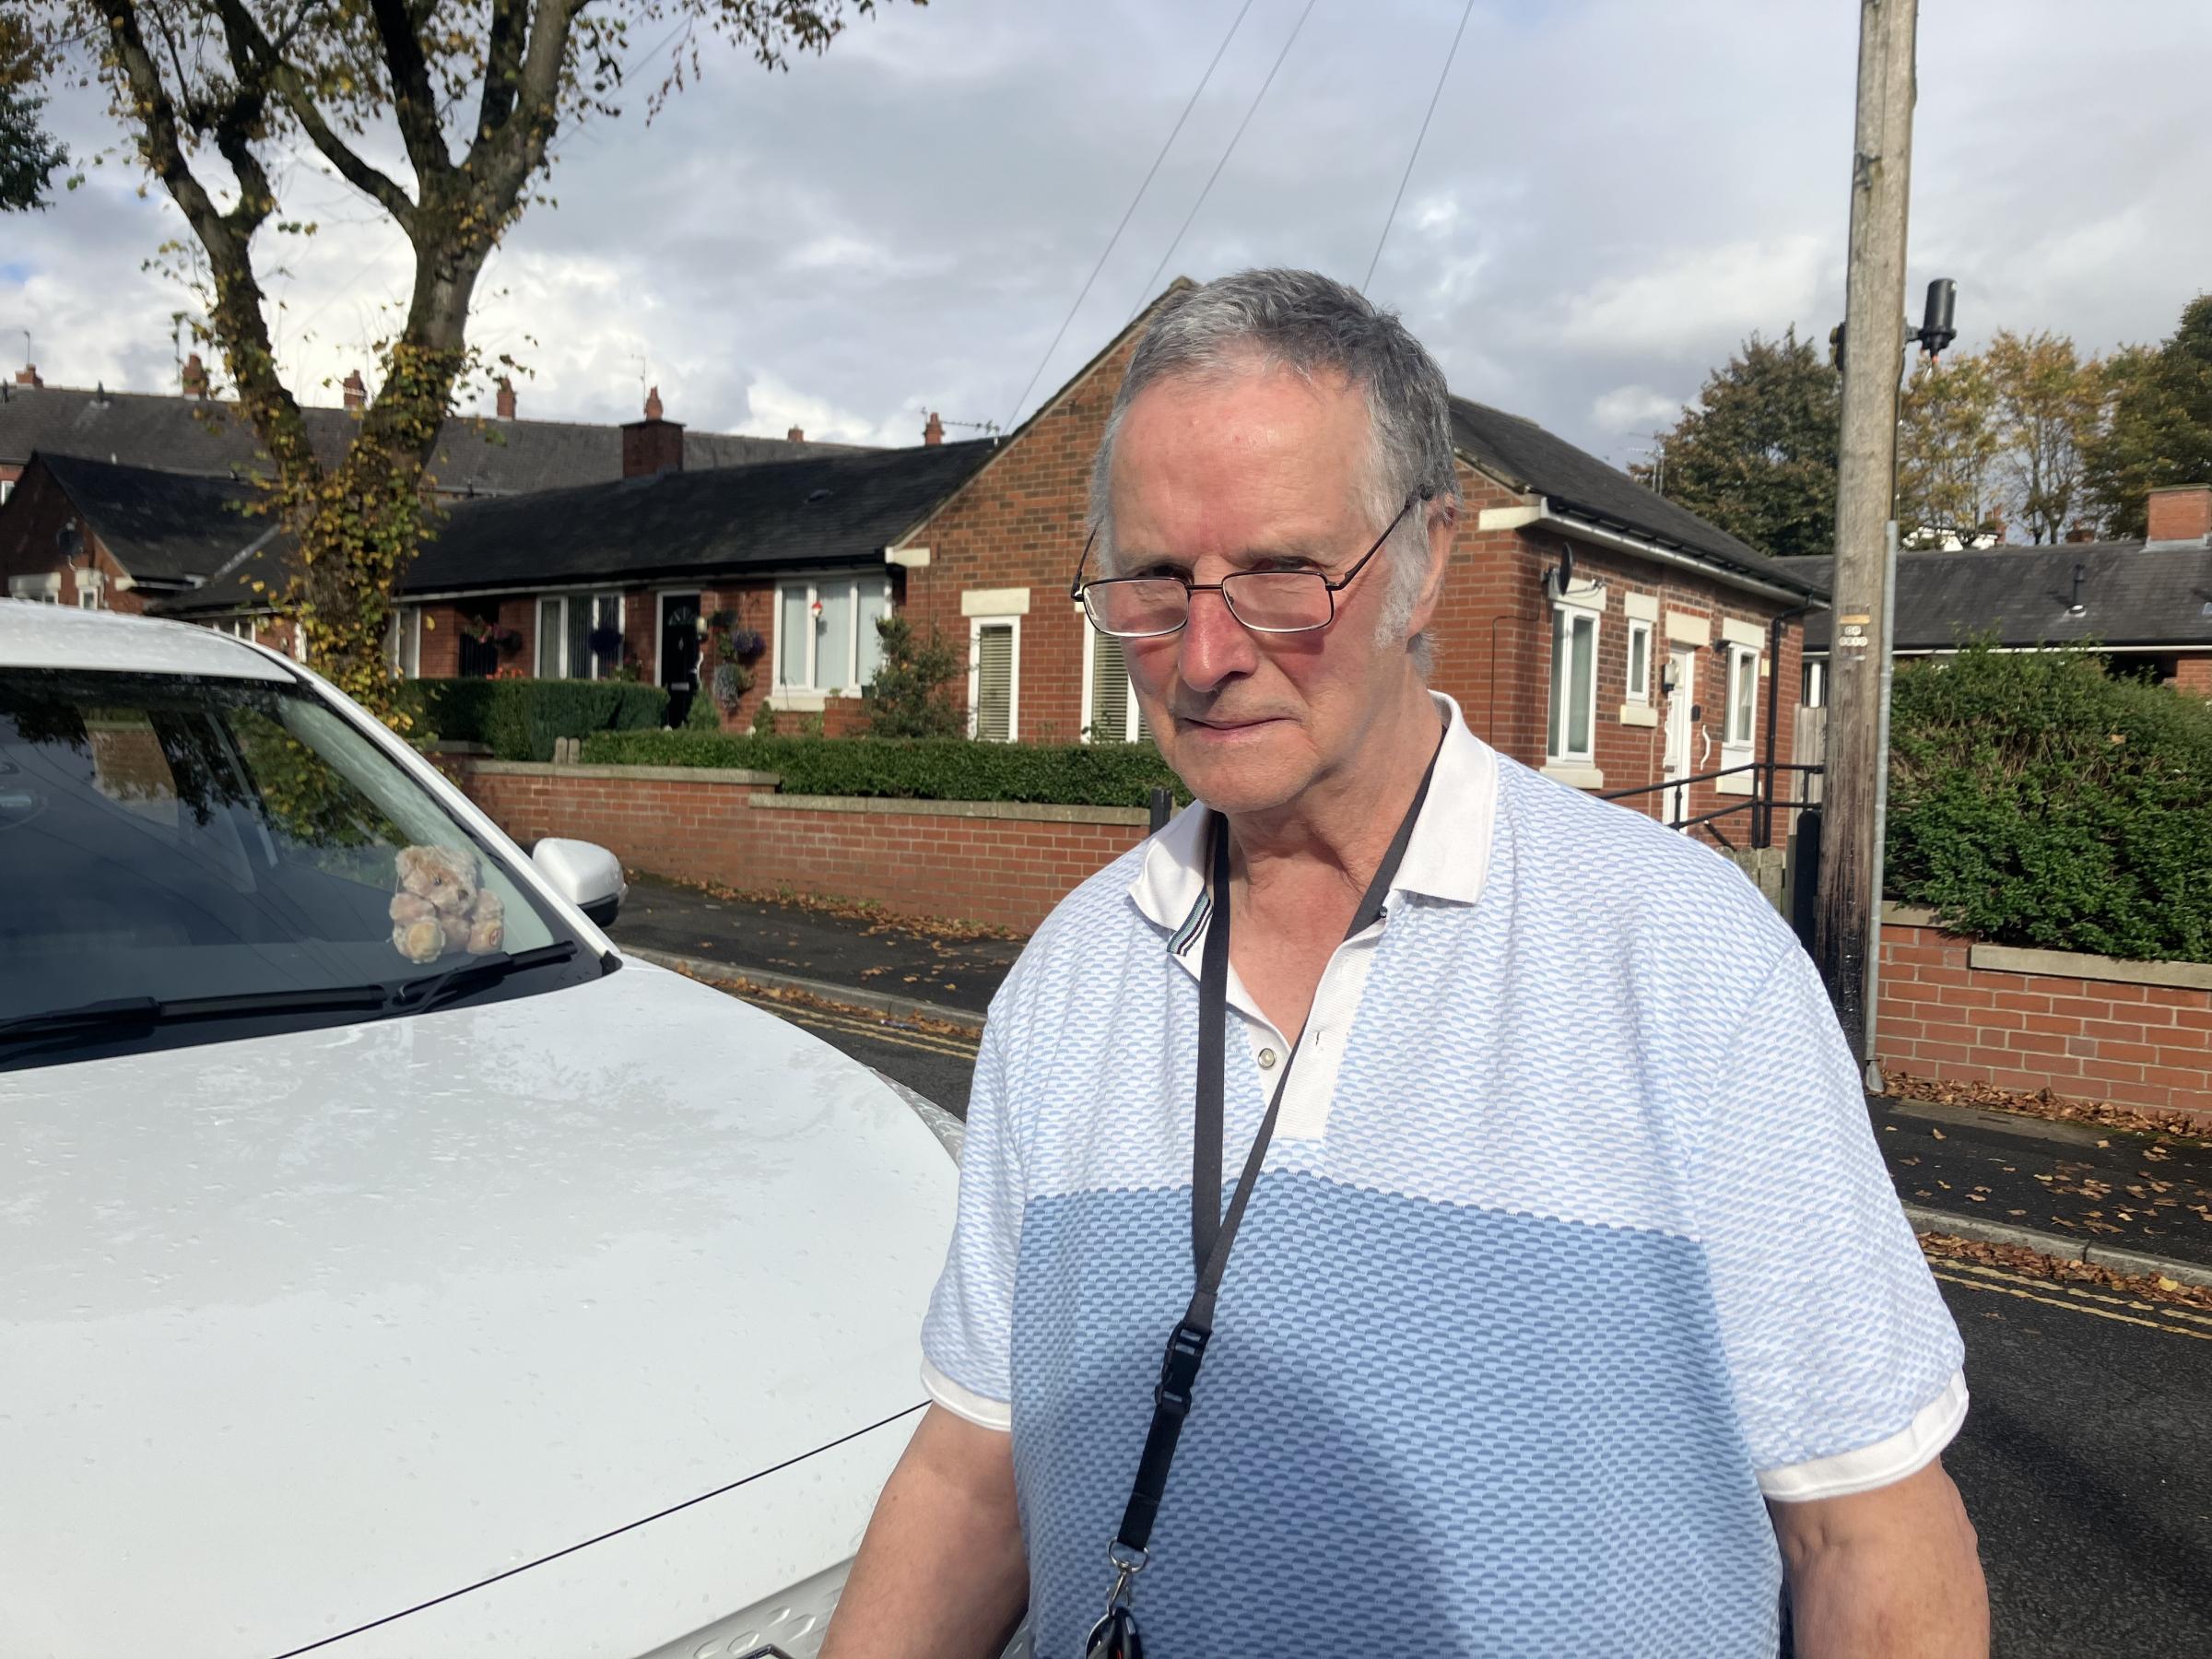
(388, 1266)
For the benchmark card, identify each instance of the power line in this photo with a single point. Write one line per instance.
(1249, 114)
(1391, 217)
(1116, 237)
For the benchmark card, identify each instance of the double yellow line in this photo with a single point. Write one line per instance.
(2077, 1299)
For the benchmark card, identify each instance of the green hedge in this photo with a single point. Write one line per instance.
(520, 718)
(2035, 801)
(938, 769)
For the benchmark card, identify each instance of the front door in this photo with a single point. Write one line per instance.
(679, 652)
(1681, 726)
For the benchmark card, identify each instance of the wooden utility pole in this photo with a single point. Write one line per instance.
(1874, 347)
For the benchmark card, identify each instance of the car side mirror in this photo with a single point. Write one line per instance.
(585, 873)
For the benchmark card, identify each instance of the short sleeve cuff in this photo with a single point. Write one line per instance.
(978, 1409)
(1888, 1461)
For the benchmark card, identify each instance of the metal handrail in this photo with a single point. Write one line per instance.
(1761, 805)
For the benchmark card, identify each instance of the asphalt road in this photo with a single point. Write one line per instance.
(2086, 1460)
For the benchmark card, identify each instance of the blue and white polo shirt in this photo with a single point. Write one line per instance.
(1573, 1247)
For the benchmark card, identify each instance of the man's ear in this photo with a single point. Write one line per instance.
(1443, 530)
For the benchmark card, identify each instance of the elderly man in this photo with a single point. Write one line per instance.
(1564, 1306)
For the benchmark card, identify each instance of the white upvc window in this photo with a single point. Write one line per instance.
(1110, 713)
(40, 590)
(1743, 699)
(826, 635)
(566, 623)
(403, 641)
(1816, 684)
(995, 678)
(1639, 661)
(89, 590)
(1571, 729)
(1739, 719)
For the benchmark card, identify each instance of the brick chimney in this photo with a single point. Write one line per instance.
(2180, 516)
(653, 445)
(356, 390)
(29, 376)
(194, 377)
(506, 400)
(796, 435)
(935, 431)
(2081, 531)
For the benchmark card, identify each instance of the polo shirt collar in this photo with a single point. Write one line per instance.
(1447, 858)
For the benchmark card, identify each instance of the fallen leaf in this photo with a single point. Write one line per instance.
(1939, 1134)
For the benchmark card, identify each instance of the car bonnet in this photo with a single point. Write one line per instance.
(301, 1332)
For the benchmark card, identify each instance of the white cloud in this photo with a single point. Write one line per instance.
(1635, 410)
(1690, 297)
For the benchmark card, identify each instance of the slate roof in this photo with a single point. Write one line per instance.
(1519, 453)
(474, 455)
(2129, 596)
(164, 527)
(792, 514)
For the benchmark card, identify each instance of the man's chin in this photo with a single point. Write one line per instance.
(1241, 768)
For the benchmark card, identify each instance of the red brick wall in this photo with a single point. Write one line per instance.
(2138, 1045)
(1008, 871)
(2193, 675)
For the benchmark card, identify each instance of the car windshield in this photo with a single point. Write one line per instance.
(176, 850)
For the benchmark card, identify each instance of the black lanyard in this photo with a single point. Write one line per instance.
(1213, 1233)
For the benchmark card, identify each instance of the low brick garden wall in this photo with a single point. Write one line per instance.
(994, 862)
(2084, 1026)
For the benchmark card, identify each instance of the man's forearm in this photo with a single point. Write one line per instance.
(1889, 1575)
(941, 1573)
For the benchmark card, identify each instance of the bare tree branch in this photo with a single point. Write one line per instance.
(414, 100)
(237, 313)
(288, 83)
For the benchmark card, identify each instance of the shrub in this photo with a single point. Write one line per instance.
(702, 716)
(2035, 801)
(949, 769)
(907, 698)
(521, 718)
(453, 710)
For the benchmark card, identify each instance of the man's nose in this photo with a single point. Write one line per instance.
(1215, 646)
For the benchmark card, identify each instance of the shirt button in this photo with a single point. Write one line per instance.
(1267, 1059)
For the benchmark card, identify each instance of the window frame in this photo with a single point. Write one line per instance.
(560, 636)
(1133, 713)
(853, 584)
(404, 650)
(1639, 690)
(1743, 660)
(1813, 683)
(38, 588)
(976, 625)
(1570, 616)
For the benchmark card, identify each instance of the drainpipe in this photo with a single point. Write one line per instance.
(1881, 805)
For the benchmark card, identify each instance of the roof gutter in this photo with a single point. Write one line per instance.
(1621, 541)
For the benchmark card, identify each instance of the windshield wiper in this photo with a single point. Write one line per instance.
(127, 1012)
(420, 995)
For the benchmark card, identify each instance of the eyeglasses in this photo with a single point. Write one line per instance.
(1280, 601)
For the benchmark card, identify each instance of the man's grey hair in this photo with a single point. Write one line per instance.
(1305, 323)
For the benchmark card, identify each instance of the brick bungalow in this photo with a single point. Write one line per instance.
(1590, 627)
(2146, 605)
(102, 536)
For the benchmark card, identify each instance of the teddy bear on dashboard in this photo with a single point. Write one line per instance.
(442, 905)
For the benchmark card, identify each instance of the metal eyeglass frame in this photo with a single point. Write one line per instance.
(1079, 589)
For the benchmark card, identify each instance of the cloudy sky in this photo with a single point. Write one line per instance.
(1612, 195)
